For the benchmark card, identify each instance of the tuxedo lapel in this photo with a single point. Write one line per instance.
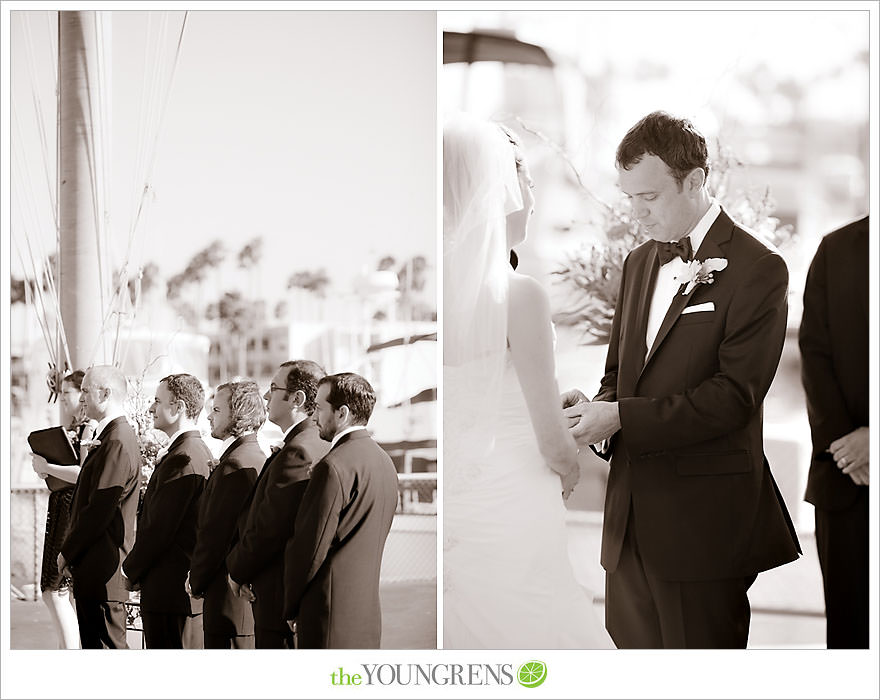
(719, 233)
(637, 349)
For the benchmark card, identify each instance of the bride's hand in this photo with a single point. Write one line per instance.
(569, 481)
(572, 397)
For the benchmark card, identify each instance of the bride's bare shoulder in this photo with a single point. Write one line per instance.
(528, 299)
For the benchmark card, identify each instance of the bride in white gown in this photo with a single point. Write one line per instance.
(507, 455)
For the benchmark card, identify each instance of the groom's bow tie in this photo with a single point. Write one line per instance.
(682, 249)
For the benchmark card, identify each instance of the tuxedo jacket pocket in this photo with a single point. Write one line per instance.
(696, 308)
(713, 463)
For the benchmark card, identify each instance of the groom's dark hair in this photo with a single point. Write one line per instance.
(674, 141)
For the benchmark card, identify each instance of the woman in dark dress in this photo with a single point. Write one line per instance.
(56, 589)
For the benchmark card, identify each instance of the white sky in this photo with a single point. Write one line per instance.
(315, 130)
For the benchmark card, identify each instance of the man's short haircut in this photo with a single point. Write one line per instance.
(246, 405)
(186, 388)
(109, 377)
(352, 390)
(304, 375)
(673, 140)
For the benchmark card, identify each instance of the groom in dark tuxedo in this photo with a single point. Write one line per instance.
(692, 512)
(834, 351)
(331, 566)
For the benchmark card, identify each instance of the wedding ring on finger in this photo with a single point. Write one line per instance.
(843, 461)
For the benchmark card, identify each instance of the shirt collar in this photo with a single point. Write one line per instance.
(228, 441)
(295, 423)
(345, 431)
(178, 434)
(698, 233)
(105, 421)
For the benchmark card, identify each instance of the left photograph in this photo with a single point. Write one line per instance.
(223, 329)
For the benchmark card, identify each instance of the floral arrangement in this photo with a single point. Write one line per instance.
(150, 439)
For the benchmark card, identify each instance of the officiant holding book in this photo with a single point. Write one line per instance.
(55, 588)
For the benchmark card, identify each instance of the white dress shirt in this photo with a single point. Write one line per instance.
(345, 431)
(667, 284)
(104, 422)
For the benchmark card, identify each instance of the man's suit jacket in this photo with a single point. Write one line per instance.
(268, 523)
(834, 353)
(166, 528)
(331, 566)
(689, 459)
(225, 494)
(102, 514)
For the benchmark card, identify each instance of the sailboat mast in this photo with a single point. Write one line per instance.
(80, 212)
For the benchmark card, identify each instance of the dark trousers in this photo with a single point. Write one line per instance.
(644, 612)
(223, 641)
(172, 630)
(101, 624)
(273, 639)
(842, 542)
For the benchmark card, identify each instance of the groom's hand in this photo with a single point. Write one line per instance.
(590, 423)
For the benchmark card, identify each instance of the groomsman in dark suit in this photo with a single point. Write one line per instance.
(237, 413)
(331, 566)
(834, 350)
(257, 559)
(166, 529)
(103, 512)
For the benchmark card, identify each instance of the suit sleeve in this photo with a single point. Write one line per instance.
(748, 355)
(155, 536)
(271, 526)
(826, 405)
(117, 474)
(315, 531)
(217, 526)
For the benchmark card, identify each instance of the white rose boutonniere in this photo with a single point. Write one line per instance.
(698, 272)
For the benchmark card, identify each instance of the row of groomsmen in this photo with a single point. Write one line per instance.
(241, 551)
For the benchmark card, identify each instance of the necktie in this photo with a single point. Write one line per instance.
(682, 249)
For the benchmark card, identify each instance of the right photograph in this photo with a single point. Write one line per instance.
(655, 330)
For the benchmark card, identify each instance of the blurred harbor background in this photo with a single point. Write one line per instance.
(788, 128)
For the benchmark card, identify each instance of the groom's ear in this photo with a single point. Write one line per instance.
(695, 180)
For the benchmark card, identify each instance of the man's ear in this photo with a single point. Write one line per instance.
(343, 413)
(298, 398)
(695, 180)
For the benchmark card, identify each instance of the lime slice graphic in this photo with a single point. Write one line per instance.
(532, 673)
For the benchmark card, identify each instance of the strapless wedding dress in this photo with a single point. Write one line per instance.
(508, 582)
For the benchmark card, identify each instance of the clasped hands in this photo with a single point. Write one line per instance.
(850, 453)
(40, 466)
(589, 422)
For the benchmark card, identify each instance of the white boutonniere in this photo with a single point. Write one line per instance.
(212, 464)
(698, 272)
(89, 444)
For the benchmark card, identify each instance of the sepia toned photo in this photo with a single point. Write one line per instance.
(223, 330)
(655, 368)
